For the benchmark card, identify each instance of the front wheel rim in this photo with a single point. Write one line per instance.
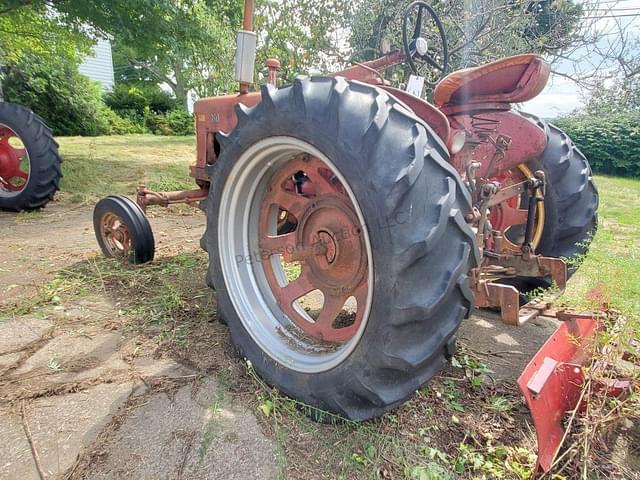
(15, 165)
(325, 233)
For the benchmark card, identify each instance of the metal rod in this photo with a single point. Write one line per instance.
(531, 216)
(247, 23)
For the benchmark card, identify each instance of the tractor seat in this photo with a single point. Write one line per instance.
(510, 80)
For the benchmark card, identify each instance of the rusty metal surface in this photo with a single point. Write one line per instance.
(552, 383)
(115, 235)
(510, 80)
(368, 72)
(326, 241)
(214, 115)
(146, 197)
(424, 110)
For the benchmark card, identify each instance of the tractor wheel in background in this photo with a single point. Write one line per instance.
(570, 204)
(122, 230)
(29, 161)
(355, 304)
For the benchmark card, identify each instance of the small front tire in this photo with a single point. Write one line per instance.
(122, 230)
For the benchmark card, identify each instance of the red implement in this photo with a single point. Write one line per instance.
(553, 380)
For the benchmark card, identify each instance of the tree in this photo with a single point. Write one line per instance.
(476, 31)
(194, 52)
(303, 34)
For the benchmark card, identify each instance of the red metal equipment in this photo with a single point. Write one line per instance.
(553, 381)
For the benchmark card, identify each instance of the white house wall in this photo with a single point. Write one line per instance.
(99, 67)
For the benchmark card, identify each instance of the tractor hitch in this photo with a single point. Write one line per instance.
(146, 197)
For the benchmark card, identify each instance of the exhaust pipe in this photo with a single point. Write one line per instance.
(246, 49)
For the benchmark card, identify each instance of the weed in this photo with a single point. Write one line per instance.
(54, 364)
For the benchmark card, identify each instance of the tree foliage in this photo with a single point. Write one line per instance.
(193, 48)
(303, 34)
(610, 142)
(68, 102)
(477, 32)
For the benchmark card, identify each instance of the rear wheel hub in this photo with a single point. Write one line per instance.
(327, 242)
(14, 163)
(295, 254)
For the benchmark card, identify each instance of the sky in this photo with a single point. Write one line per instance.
(561, 95)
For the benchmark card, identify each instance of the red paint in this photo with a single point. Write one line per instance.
(326, 241)
(213, 115)
(12, 177)
(510, 80)
(527, 141)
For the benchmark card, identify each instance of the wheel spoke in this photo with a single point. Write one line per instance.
(418, 28)
(19, 153)
(360, 294)
(288, 200)
(330, 311)
(320, 181)
(283, 245)
(21, 174)
(294, 290)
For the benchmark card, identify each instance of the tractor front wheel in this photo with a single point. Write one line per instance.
(352, 303)
(122, 230)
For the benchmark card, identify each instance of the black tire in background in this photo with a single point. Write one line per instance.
(393, 163)
(44, 160)
(131, 215)
(571, 203)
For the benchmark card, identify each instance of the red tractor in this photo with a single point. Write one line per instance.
(351, 226)
(29, 161)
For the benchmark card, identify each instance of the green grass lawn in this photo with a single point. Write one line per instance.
(612, 266)
(97, 166)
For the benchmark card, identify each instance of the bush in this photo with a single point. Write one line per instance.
(110, 123)
(611, 142)
(177, 122)
(53, 88)
(134, 101)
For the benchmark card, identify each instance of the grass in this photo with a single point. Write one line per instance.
(611, 269)
(97, 166)
(462, 426)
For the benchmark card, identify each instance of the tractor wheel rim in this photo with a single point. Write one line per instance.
(15, 165)
(115, 235)
(510, 216)
(326, 236)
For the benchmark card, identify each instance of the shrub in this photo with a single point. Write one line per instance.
(158, 124)
(110, 123)
(177, 122)
(132, 101)
(53, 88)
(611, 142)
(181, 122)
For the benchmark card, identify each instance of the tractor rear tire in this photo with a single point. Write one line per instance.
(411, 204)
(571, 204)
(44, 161)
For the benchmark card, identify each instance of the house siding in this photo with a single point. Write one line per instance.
(99, 66)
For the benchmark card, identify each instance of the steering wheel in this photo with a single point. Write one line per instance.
(416, 47)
